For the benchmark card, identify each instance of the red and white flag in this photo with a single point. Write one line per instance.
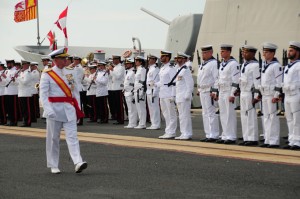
(62, 25)
(51, 38)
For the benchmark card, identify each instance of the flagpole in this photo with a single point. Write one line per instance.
(38, 24)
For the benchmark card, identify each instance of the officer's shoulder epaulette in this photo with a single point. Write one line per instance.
(69, 68)
(47, 70)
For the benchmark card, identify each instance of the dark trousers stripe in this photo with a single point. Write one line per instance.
(102, 109)
(92, 107)
(12, 105)
(111, 103)
(2, 110)
(26, 109)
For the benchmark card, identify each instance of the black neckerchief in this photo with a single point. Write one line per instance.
(224, 63)
(248, 62)
(266, 66)
(290, 66)
(204, 63)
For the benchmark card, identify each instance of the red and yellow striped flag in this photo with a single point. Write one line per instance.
(25, 10)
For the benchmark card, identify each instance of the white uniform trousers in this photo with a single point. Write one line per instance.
(169, 112)
(52, 142)
(292, 113)
(132, 112)
(141, 110)
(154, 111)
(248, 117)
(227, 116)
(185, 119)
(271, 121)
(210, 118)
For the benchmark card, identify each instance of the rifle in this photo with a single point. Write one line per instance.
(259, 61)
(240, 57)
(215, 90)
(238, 90)
(198, 58)
(218, 61)
(13, 78)
(93, 80)
(284, 58)
(254, 90)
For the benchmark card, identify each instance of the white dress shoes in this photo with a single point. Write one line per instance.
(129, 127)
(152, 128)
(80, 167)
(140, 127)
(166, 136)
(183, 137)
(55, 171)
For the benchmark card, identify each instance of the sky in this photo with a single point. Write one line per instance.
(109, 23)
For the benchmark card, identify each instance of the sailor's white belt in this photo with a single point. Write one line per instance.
(224, 86)
(267, 90)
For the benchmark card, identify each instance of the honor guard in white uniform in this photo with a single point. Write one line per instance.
(91, 93)
(35, 83)
(270, 87)
(184, 89)
(139, 91)
(11, 92)
(291, 89)
(117, 73)
(102, 92)
(206, 78)
(229, 75)
(249, 81)
(167, 95)
(152, 93)
(45, 61)
(24, 81)
(3, 120)
(128, 93)
(80, 75)
(59, 96)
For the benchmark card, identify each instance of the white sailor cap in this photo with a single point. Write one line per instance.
(45, 58)
(206, 48)
(62, 52)
(151, 56)
(295, 45)
(267, 46)
(129, 61)
(77, 57)
(182, 55)
(250, 48)
(10, 61)
(25, 62)
(34, 63)
(139, 58)
(226, 47)
(17, 63)
(1, 63)
(116, 57)
(92, 66)
(167, 53)
(101, 63)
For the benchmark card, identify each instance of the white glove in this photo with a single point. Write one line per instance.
(151, 83)
(51, 115)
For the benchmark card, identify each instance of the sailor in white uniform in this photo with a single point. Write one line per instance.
(3, 120)
(59, 95)
(291, 89)
(139, 91)
(45, 61)
(167, 95)
(128, 93)
(34, 87)
(270, 86)
(152, 93)
(206, 78)
(249, 81)
(228, 74)
(91, 93)
(184, 89)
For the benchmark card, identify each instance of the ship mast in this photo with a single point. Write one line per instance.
(38, 24)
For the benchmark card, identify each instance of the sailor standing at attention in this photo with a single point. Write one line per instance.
(291, 89)
(270, 86)
(249, 81)
(206, 78)
(152, 93)
(2, 96)
(167, 95)
(184, 89)
(229, 74)
(59, 95)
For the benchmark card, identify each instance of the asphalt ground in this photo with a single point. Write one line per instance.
(126, 172)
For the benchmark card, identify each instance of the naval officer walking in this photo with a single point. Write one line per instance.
(59, 95)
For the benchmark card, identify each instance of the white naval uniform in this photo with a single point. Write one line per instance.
(2, 83)
(291, 89)
(206, 78)
(184, 90)
(228, 73)
(167, 98)
(92, 90)
(139, 95)
(152, 96)
(59, 115)
(101, 83)
(129, 97)
(271, 77)
(35, 75)
(12, 89)
(25, 82)
(250, 78)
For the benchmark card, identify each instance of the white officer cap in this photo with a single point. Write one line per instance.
(250, 48)
(62, 52)
(295, 45)
(206, 48)
(129, 61)
(269, 46)
(34, 63)
(165, 52)
(182, 55)
(1, 63)
(92, 66)
(151, 56)
(45, 58)
(139, 58)
(116, 57)
(77, 57)
(101, 63)
(10, 61)
(226, 47)
(25, 62)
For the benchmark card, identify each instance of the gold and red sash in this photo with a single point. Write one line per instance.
(69, 98)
